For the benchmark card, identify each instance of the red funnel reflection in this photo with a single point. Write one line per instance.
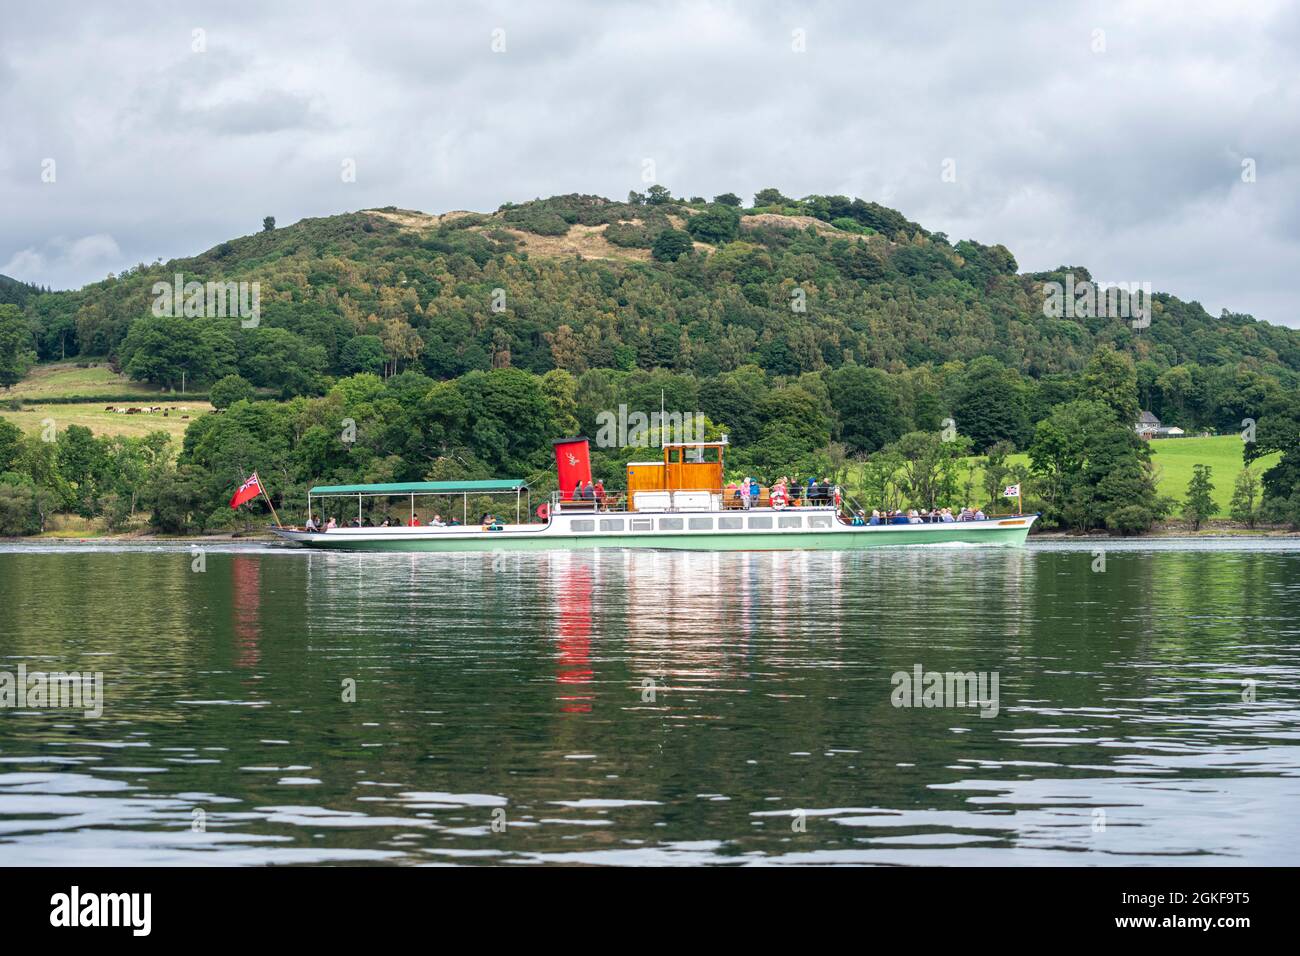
(246, 581)
(574, 600)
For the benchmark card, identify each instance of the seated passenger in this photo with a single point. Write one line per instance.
(330, 525)
(310, 525)
(979, 514)
(859, 519)
(898, 518)
(947, 515)
(437, 522)
(875, 517)
(913, 517)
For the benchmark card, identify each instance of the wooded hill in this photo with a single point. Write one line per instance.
(824, 326)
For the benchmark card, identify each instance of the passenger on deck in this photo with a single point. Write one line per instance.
(600, 494)
(913, 517)
(415, 521)
(437, 522)
(947, 515)
(588, 492)
(577, 490)
(899, 518)
(859, 519)
(746, 497)
(310, 525)
(979, 514)
(330, 525)
(966, 514)
(875, 517)
(386, 522)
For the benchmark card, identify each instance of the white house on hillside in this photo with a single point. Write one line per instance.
(1148, 427)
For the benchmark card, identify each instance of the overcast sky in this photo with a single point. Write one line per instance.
(1110, 135)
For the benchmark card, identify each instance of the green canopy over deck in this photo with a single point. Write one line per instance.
(410, 489)
(422, 488)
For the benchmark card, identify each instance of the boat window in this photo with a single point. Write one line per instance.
(642, 524)
(611, 524)
(670, 524)
(759, 524)
(819, 521)
(582, 524)
(730, 524)
(790, 521)
(701, 524)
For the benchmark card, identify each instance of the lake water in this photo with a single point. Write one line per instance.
(655, 707)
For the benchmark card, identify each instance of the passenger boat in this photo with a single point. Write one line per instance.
(678, 503)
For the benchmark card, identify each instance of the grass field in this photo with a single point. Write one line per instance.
(1173, 459)
(41, 390)
(33, 417)
(61, 379)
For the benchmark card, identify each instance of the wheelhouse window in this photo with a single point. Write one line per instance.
(582, 524)
(670, 524)
(701, 524)
(760, 524)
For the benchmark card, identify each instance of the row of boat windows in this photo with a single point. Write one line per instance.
(728, 523)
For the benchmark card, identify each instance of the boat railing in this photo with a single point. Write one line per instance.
(676, 499)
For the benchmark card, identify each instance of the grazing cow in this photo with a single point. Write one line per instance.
(185, 418)
(133, 411)
(110, 408)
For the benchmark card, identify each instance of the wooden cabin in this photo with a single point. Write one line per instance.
(686, 466)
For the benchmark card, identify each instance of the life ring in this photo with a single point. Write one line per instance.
(544, 512)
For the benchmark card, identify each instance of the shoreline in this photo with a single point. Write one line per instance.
(259, 537)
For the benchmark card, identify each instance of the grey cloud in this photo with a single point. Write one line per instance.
(1127, 161)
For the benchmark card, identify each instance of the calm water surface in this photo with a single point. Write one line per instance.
(655, 707)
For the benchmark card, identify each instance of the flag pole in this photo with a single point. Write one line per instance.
(268, 501)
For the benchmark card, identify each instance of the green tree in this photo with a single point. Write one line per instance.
(268, 224)
(1245, 494)
(16, 352)
(770, 197)
(715, 225)
(728, 199)
(670, 245)
(10, 445)
(228, 390)
(990, 404)
(1111, 379)
(1199, 503)
(868, 410)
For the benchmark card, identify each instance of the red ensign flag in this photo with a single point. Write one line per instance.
(249, 490)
